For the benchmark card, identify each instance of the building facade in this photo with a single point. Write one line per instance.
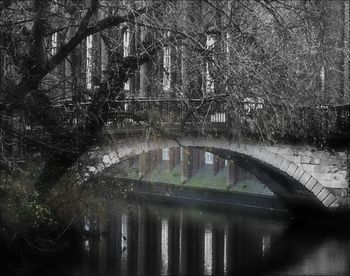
(202, 45)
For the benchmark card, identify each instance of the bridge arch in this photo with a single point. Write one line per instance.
(301, 188)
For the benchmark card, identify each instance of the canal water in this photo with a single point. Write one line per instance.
(140, 238)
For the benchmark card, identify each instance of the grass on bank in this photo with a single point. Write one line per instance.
(204, 178)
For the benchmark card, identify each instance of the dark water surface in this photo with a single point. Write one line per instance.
(157, 239)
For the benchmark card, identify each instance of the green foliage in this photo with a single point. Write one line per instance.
(22, 210)
(19, 203)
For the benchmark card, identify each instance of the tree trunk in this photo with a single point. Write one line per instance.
(72, 145)
(54, 169)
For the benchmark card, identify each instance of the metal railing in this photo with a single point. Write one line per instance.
(248, 116)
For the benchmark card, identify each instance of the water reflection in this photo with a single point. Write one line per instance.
(159, 240)
(164, 246)
(124, 243)
(225, 249)
(208, 250)
(265, 245)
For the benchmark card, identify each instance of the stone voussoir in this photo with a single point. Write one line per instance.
(298, 173)
(285, 164)
(334, 205)
(329, 200)
(277, 161)
(263, 154)
(317, 189)
(323, 194)
(305, 178)
(270, 157)
(291, 169)
(311, 183)
(258, 154)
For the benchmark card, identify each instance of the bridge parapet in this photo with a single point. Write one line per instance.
(245, 117)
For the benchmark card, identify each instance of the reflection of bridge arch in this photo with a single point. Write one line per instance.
(299, 186)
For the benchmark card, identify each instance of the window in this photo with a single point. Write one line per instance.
(323, 77)
(209, 79)
(182, 50)
(54, 44)
(252, 104)
(126, 43)
(228, 39)
(88, 61)
(218, 117)
(209, 158)
(126, 52)
(208, 250)
(165, 153)
(166, 70)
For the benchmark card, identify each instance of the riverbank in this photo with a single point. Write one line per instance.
(219, 199)
(201, 197)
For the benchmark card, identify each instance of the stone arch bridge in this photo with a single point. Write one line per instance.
(305, 179)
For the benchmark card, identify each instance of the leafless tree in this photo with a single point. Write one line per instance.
(271, 54)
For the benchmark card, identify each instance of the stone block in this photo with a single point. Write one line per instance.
(309, 168)
(298, 174)
(310, 160)
(330, 183)
(291, 169)
(258, 153)
(106, 159)
(271, 148)
(277, 161)
(335, 205)
(241, 148)
(305, 178)
(264, 155)
(323, 194)
(317, 189)
(270, 158)
(329, 200)
(233, 147)
(250, 150)
(285, 150)
(284, 165)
